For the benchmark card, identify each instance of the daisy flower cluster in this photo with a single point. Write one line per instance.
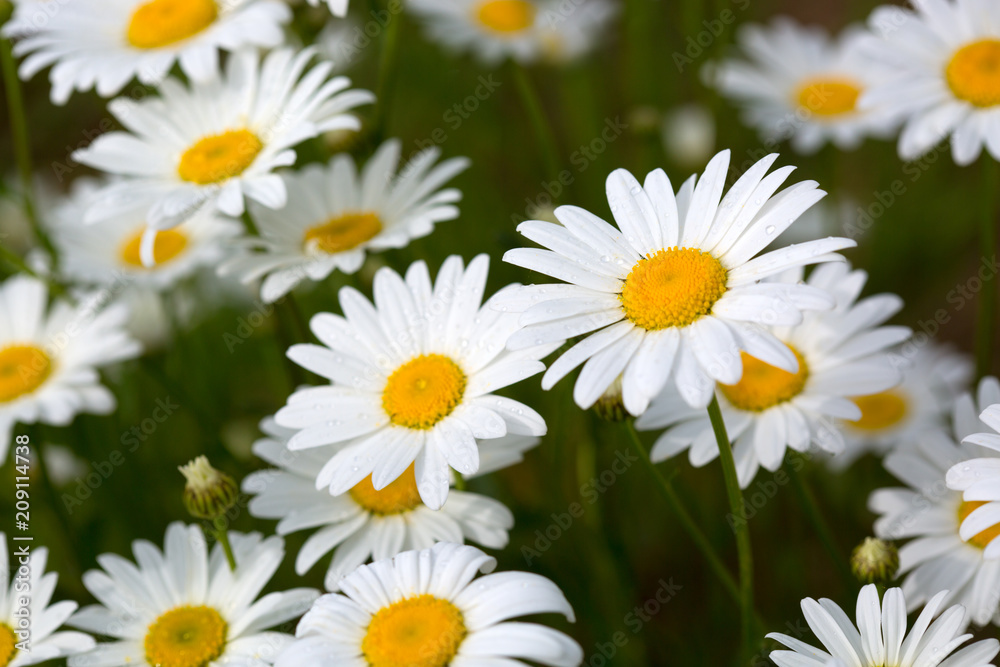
(418, 387)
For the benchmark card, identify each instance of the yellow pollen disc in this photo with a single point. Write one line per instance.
(672, 288)
(219, 157)
(506, 15)
(168, 245)
(880, 411)
(400, 496)
(160, 23)
(23, 369)
(422, 631)
(974, 73)
(829, 96)
(344, 232)
(763, 386)
(423, 391)
(8, 645)
(186, 637)
(982, 539)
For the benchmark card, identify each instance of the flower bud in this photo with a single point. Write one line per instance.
(208, 493)
(875, 561)
(609, 406)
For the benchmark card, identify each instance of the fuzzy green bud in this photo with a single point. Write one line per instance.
(209, 493)
(875, 561)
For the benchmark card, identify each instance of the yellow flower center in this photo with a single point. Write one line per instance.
(880, 411)
(506, 15)
(168, 245)
(422, 631)
(186, 637)
(764, 386)
(23, 369)
(829, 96)
(672, 288)
(344, 232)
(423, 391)
(219, 157)
(159, 23)
(8, 645)
(400, 496)
(982, 539)
(974, 73)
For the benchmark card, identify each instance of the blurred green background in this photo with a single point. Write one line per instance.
(627, 545)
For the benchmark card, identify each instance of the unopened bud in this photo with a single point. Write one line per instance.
(875, 561)
(609, 406)
(208, 493)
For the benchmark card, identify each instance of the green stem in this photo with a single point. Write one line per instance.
(687, 522)
(222, 535)
(386, 77)
(207, 422)
(284, 340)
(986, 321)
(15, 260)
(69, 533)
(540, 125)
(741, 528)
(297, 318)
(22, 145)
(808, 502)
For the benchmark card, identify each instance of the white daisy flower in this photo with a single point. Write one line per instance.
(938, 558)
(337, 7)
(979, 482)
(184, 607)
(107, 252)
(412, 378)
(49, 357)
(801, 85)
(335, 215)
(525, 30)
(363, 523)
(933, 377)
(211, 144)
(881, 637)
(33, 625)
(104, 44)
(943, 57)
(840, 352)
(669, 294)
(428, 609)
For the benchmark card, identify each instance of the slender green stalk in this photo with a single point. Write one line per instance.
(386, 76)
(290, 306)
(687, 522)
(12, 258)
(986, 320)
(222, 535)
(741, 528)
(540, 125)
(67, 529)
(808, 502)
(22, 144)
(206, 421)
(15, 260)
(296, 317)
